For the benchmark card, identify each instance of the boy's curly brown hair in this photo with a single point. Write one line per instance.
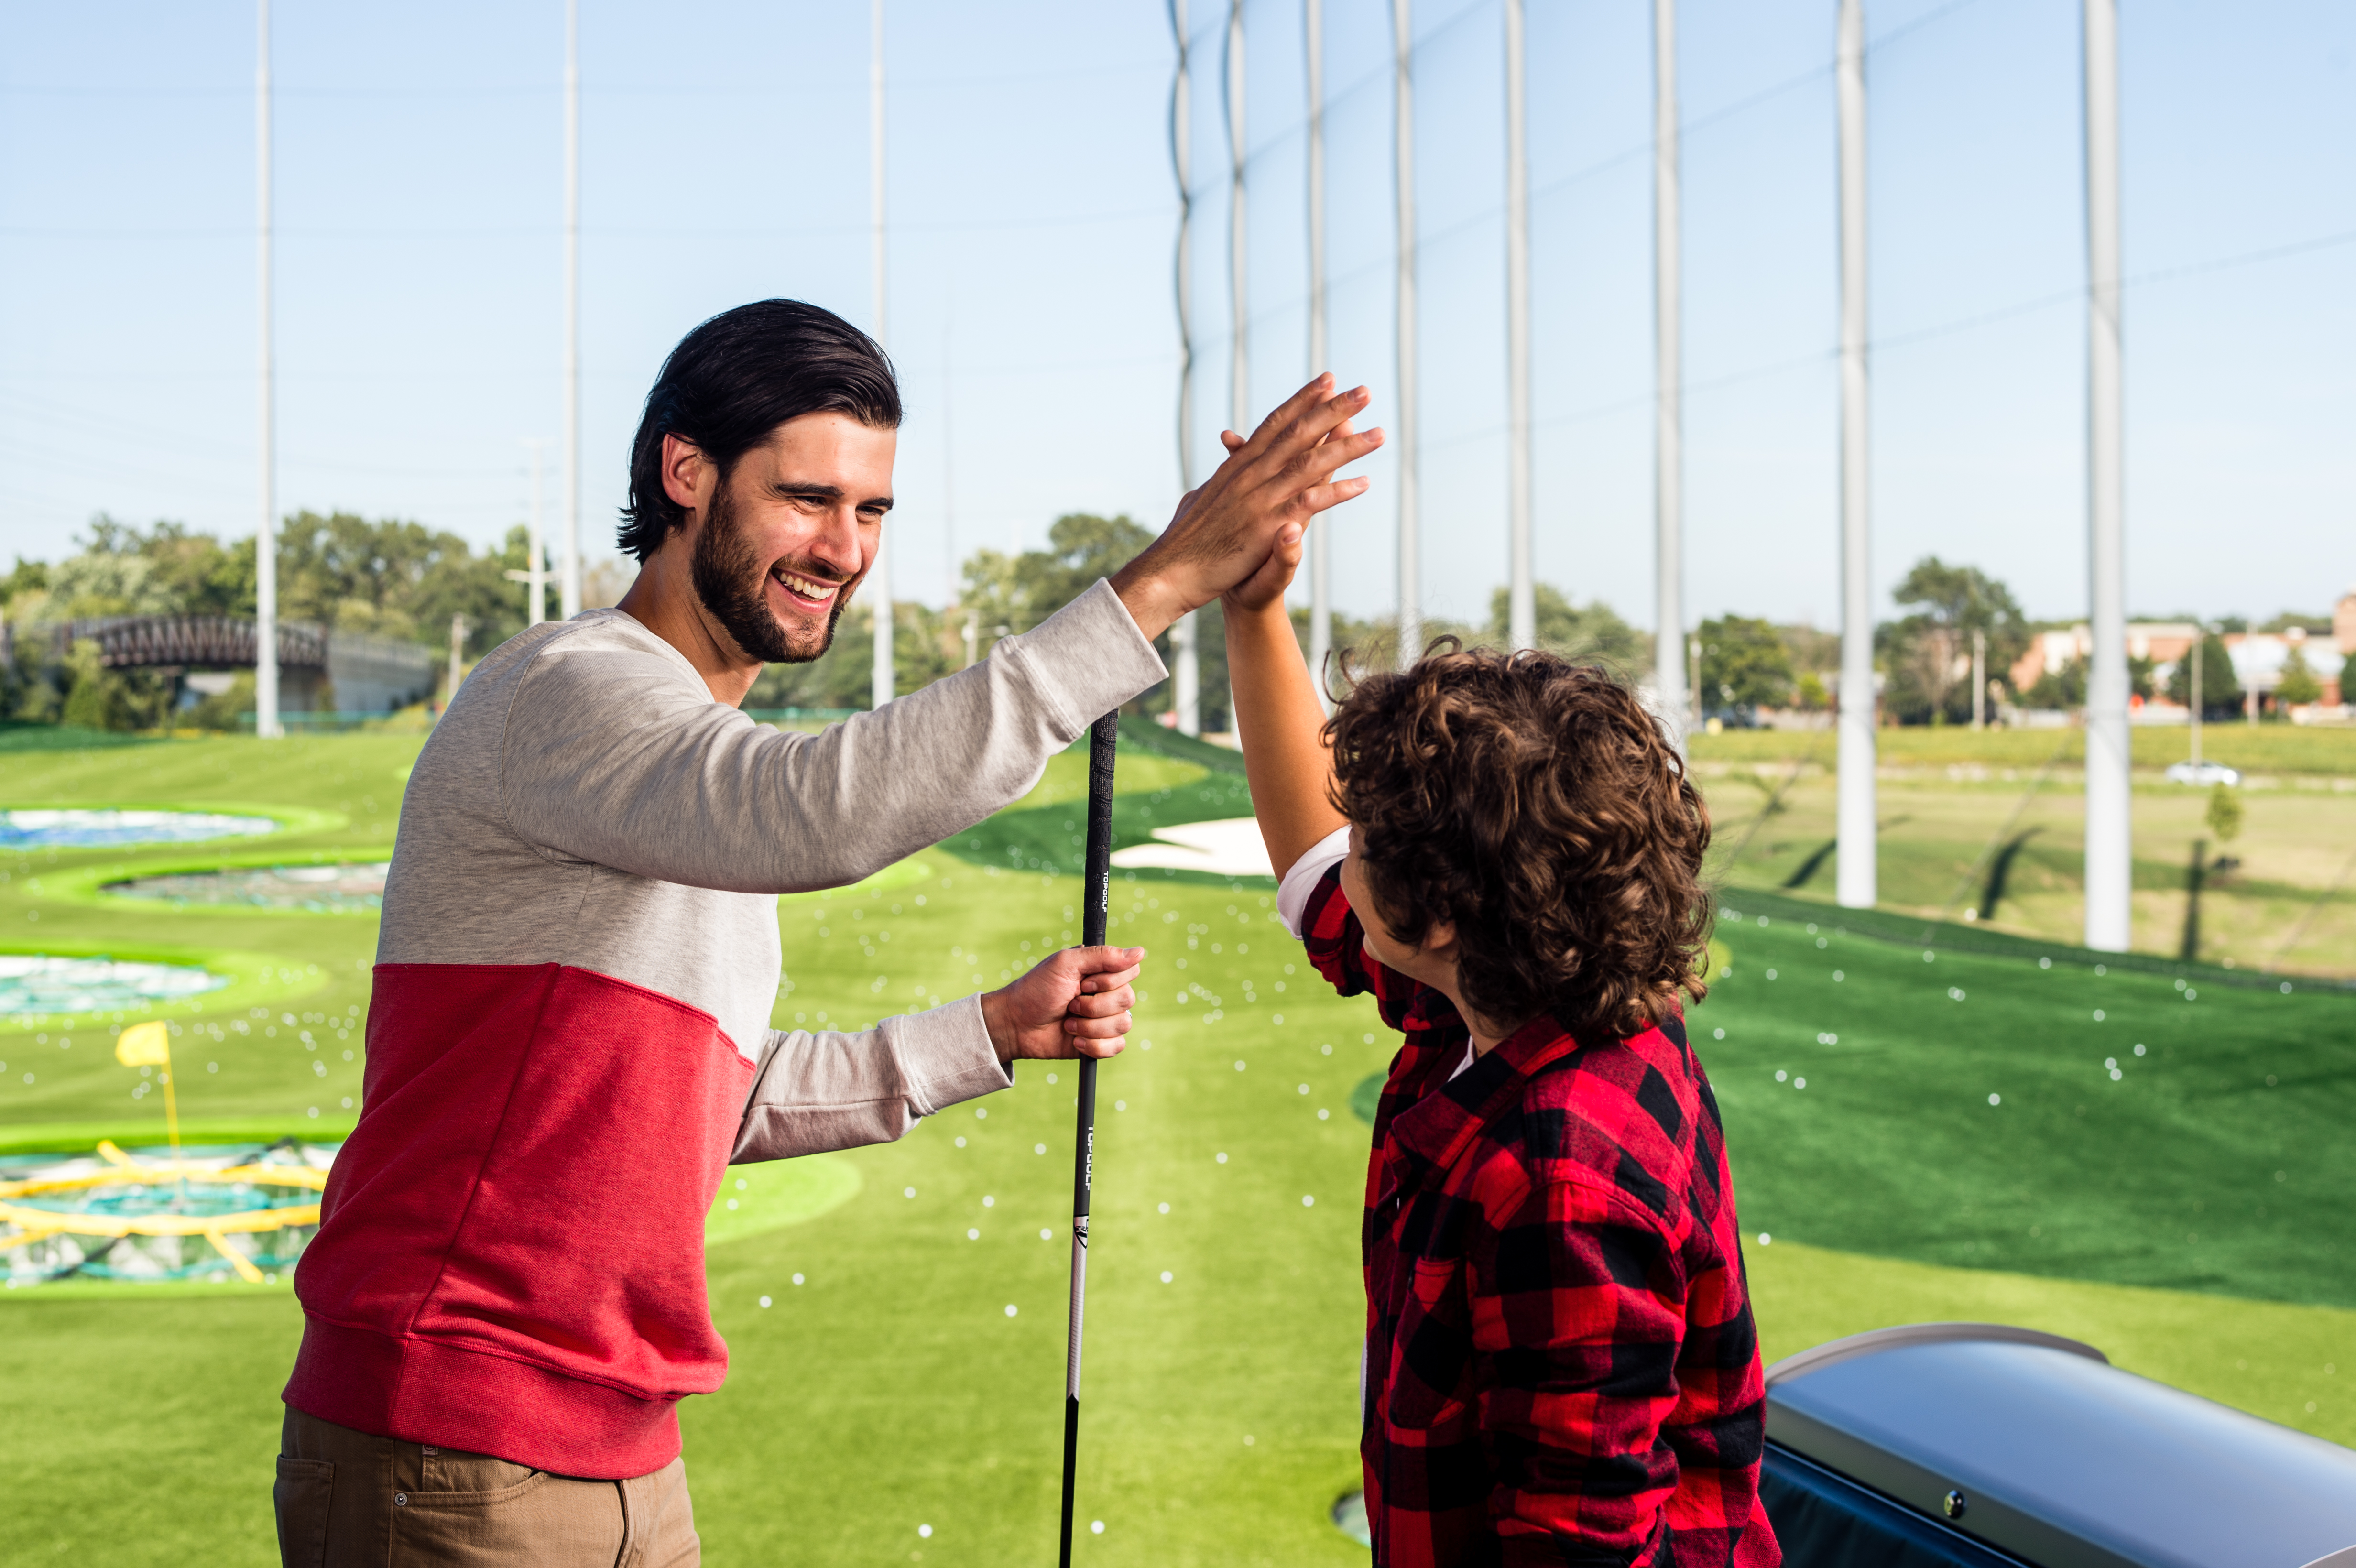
(1534, 803)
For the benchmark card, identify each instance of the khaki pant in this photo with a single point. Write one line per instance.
(346, 1499)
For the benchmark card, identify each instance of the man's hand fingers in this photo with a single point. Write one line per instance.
(1231, 440)
(1111, 1028)
(1102, 1007)
(1325, 497)
(1100, 1049)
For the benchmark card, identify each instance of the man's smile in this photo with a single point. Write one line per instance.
(805, 592)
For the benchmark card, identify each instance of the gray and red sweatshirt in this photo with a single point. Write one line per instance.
(569, 1036)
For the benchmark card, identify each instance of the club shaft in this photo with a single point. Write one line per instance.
(1103, 740)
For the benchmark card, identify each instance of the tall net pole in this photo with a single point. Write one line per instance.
(1410, 553)
(1522, 611)
(1321, 585)
(1239, 276)
(569, 582)
(2109, 867)
(1857, 876)
(265, 539)
(1186, 676)
(1668, 419)
(882, 687)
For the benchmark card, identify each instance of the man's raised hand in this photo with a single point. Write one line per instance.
(1074, 1002)
(1262, 496)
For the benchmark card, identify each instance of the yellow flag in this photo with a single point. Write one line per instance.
(145, 1045)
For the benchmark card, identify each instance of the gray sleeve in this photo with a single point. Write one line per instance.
(828, 1091)
(612, 758)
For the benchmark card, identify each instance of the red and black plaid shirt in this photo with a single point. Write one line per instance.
(1562, 1364)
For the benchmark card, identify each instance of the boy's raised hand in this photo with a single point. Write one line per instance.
(1270, 484)
(1275, 574)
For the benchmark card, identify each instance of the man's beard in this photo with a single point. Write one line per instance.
(733, 583)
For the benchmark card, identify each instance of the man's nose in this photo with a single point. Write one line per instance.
(838, 546)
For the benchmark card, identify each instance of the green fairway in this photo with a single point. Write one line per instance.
(1988, 826)
(890, 1388)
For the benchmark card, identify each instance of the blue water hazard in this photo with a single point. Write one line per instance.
(41, 983)
(77, 829)
(342, 889)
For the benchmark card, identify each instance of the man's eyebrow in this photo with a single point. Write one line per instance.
(790, 490)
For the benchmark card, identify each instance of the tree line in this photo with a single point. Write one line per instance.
(404, 581)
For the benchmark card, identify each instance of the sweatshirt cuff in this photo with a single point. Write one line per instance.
(1088, 658)
(945, 1057)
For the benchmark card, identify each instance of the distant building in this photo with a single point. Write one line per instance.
(2164, 642)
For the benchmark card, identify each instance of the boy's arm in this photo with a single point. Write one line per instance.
(1278, 716)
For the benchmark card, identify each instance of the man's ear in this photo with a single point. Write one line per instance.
(688, 476)
(1440, 941)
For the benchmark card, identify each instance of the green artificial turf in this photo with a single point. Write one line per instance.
(890, 1388)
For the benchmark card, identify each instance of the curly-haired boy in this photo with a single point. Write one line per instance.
(1560, 1364)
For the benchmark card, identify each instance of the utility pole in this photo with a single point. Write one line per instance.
(1668, 473)
(265, 539)
(1321, 594)
(535, 575)
(457, 652)
(2199, 635)
(568, 592)
(1857, 872)
(2109, 829)
(881, 685)
(1185, 678)
(1410, 583)
(1522, 612)
(1979, 679)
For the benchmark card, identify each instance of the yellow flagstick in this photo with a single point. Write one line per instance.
(150, 1045)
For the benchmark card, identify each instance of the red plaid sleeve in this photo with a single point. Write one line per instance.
(1337, 944)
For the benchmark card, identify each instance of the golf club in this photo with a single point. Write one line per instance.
(1103, 739)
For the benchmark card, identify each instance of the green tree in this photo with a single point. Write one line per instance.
(2347, 679)
(2221, 687)
(2299, 686)
(1593, 631)
(1928, 652)
(2224, 814)
(2062, 685)
(1744, 664)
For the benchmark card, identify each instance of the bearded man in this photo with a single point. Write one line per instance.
(569, 1038)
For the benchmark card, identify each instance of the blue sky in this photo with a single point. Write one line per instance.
(419, 201)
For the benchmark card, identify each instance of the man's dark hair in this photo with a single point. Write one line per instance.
(740, 376)
(1536, 804)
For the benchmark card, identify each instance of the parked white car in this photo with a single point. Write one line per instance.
(2204, 774)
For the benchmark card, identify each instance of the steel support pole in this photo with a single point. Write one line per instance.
(1186, 674)
(535, 579)
(2109, 909)
(1522, 613)
(877, 588)
(1669, 454)
(1856, 880)
(569, 579)
(1239, 282)
(1410, 583)
(1321, 585)
(265, 539)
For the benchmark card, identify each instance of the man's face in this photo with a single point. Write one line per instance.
(783, 545)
